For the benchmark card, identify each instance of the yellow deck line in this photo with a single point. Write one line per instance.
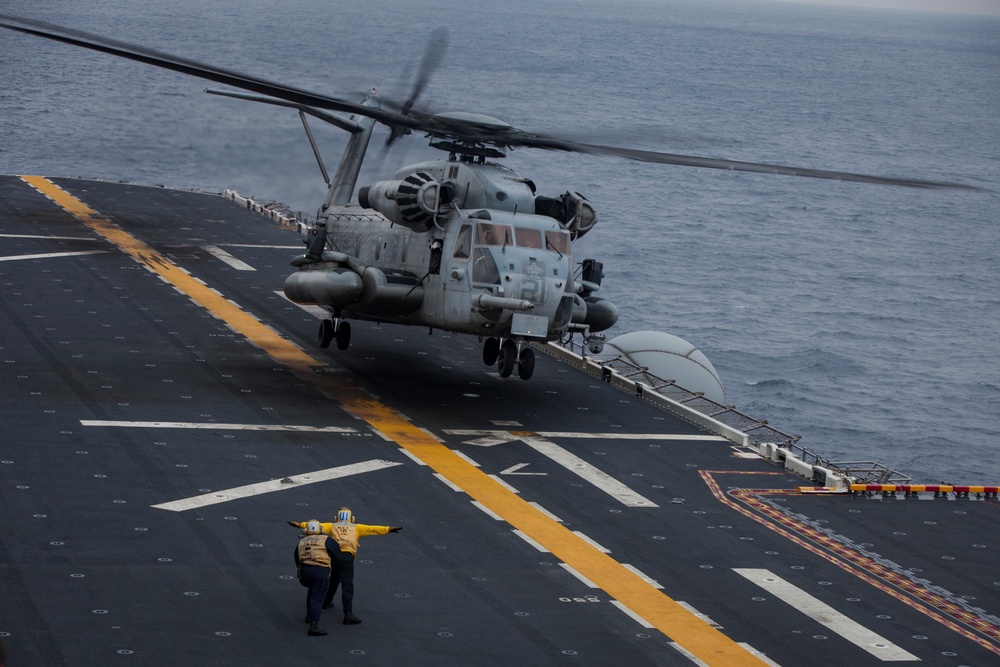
(673, 620)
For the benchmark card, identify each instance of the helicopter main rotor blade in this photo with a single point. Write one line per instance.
(201, 70)
(538, 141)
(437, 47)
(434, 54)
(468, 129)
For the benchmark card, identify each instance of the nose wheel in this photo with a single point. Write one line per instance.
(338, 329)
(508, 357)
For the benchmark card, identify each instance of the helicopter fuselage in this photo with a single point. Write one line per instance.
(484, 272)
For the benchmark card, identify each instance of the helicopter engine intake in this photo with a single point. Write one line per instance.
(412, 202)
(571, 209)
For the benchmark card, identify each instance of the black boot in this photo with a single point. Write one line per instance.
(315, 630)
(350, 618)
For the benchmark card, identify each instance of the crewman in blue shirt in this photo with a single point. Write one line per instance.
(313, 556)
(346, 533)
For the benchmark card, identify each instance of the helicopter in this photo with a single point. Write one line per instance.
(462, 244)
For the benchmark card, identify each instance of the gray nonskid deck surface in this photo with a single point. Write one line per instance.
(107, 370)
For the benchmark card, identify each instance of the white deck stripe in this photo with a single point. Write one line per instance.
(467, 458)
(447, 482)
(592, 543)
(595, 476)
(51, 255)
(506, 436)
(637, 572)
(545, 512)
(487, 511)
(257, 245)
(634, 616)
(631, 436)
(219, 253)
(220, 427)
(576, 573)
(315, 311)
(689, 655)
(50, 238)
(758, 654)
(527, 538)
(827, 616)
(292, 482)
(699, 614)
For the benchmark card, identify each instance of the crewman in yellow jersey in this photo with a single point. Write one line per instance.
(346, 533)
(313, 556)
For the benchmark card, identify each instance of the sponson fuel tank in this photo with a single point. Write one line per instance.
(343, 288)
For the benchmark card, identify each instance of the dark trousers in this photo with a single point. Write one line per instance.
(317, 578)
(343, 575)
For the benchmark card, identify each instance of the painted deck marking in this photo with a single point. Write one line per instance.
(923, 599)
(634, 616)
(590, 473)
(221, 254)
(292, 482)
(315, 311)
(825, 615)
(258, 245)
(563, 457)
(51, 255)
(659, 610)
(213, 426)
(49, 238)
(495, 437)
(515, 470)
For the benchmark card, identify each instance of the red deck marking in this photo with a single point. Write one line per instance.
(938, 608)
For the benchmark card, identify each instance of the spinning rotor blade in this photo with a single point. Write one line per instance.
(466, 129)
(195, 68)
(537, 141)
(437, 47)
(433, 57)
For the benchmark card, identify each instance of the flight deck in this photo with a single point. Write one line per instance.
(165, 411)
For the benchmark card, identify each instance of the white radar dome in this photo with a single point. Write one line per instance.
(668, 358)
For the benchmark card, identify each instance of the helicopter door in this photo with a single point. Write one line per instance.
(456, 279)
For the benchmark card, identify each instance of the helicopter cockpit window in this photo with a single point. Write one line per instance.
(558, 241)
(484, 268)
(528, 238)
(493, 234)
(463, 245)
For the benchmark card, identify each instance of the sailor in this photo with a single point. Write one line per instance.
(313, 556)
(346, 533)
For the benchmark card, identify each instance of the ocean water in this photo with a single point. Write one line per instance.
(864, 318)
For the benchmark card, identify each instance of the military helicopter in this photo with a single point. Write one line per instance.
(461, 244)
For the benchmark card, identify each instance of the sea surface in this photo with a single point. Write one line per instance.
(864, 318)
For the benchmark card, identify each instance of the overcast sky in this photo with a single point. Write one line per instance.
(963, 6)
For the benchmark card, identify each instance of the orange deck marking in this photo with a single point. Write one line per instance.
(937, 607)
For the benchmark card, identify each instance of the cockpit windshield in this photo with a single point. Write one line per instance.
(488, 233)
(497, 234)
(558, 241)
(528, 238)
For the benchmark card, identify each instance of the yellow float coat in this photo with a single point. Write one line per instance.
(347, 534)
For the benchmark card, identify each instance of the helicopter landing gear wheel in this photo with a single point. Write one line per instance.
(343, 335)
(526, 363)
(508, 358)
(326, 333)
(491, 351)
